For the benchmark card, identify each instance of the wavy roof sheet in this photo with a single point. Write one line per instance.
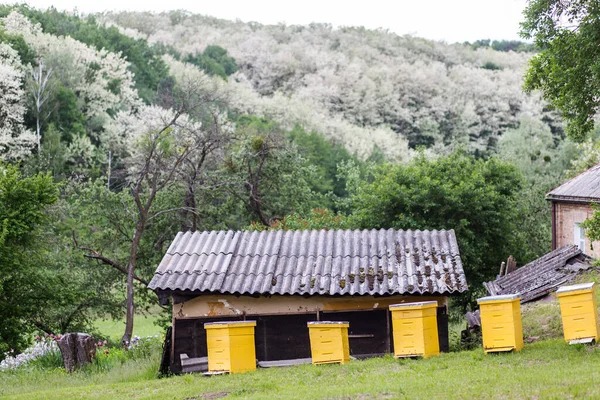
(584, 187)
(334, 262)
(542, 276)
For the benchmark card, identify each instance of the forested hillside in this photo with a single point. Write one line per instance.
(406, 88)
(119, 130)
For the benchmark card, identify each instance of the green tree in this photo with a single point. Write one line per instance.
(66, 116)
(266, 173)
(23, 280)
(475, 197)
(567, 69)
(326, 157)
(26, 54)
(214, 61)
(542, 160)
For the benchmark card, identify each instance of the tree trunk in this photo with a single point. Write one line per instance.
(130, 306)
(189, 204)
(39, 132)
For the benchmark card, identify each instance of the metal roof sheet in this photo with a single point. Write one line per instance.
(575, 288)
(352, 262)
(541, 276)
(583, 187)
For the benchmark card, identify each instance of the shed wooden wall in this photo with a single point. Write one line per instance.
(281, 331)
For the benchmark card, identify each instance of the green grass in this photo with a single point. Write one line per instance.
(143, 326)
(545, 369)
(542, 320)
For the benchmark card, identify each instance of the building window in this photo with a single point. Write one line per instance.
(579, 237)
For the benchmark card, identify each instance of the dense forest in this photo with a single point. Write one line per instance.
(118, 130)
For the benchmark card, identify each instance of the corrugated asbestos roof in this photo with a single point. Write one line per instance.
(540, 277)
(584, 187)
(313, 262)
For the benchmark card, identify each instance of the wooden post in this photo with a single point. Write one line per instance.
(388, 342)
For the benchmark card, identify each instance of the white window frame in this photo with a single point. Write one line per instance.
(579, 236)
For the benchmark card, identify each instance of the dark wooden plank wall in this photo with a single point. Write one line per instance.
(363, 323)
(282, 337)
(442, 323)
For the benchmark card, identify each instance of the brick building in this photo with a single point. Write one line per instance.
(571, 206)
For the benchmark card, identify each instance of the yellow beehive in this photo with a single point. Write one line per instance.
(231, 346)
(501, 324)
(579, 313)
(415, 329)
(329, 342)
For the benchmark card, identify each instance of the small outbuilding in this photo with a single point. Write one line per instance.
(284, 279)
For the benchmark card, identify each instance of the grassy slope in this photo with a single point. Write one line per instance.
(545, 369)
(143, 326)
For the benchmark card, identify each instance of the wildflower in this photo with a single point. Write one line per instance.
(40, 348)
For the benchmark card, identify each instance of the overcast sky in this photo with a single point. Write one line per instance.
(448, 20)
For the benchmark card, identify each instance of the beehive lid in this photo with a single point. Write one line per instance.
(420, 304)
(574, 288)
(504, 297)
(223, 324)
(328, 322)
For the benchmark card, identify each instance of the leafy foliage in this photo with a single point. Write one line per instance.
(326, 157)
(503, 45)
(23, 214)
(567, 69)
(316, 219)
(214, 61)
(474, 197)
(542, 162)
(17, 43)
(267, 173)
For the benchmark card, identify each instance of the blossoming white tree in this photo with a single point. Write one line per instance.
(360, 86)
(101, 79)
(15, 141)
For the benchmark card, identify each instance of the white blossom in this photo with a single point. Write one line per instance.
(15, 141)
(85, 70)
(372, 81)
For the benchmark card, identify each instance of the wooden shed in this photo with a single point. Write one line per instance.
(284, 279)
